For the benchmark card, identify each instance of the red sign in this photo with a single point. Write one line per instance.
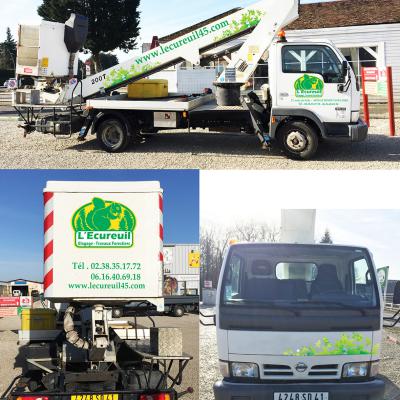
(28, 70)
(8, 312)
(26, 301)
(371, 74)
(9, 302)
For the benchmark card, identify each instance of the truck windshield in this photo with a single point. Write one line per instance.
(306, 276)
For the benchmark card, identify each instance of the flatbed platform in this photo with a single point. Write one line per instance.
(173, 103)
(213, 106)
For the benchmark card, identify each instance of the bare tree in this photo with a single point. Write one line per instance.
(214, 244)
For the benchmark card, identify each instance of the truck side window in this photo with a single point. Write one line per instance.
(362, 284)
(314, 60)
(232, 288)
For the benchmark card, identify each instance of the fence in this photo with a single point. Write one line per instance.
(5, 97)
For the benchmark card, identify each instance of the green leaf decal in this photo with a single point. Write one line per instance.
(346, 345)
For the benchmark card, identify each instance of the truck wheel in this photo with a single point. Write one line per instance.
(179, 311)
(113, 136)
(298, 140)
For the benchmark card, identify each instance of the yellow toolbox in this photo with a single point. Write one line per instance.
(37, 319)
(148, 89)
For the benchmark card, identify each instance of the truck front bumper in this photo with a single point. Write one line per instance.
(359, 131)
(372, 390)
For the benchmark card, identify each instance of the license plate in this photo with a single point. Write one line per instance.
(95, 397)
(302, 396)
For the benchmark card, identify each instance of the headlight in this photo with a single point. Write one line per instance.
(244, 370)
(224, 369)
(355, 370)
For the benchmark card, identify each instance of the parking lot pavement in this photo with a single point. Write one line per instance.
(192, 151)
(209, 370)
(8, 351)
(188, 323)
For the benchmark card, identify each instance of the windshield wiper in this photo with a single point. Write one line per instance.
(270, 304)
(333, 303)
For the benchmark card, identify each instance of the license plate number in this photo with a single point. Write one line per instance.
(301, 396)
(95, 397)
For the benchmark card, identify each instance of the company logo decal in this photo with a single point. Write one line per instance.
(301, 367)
(104, 224)
(309, 86)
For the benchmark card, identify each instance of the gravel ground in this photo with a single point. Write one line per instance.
(195, 151)
(8, 351)
(189, 324)
(209, 370)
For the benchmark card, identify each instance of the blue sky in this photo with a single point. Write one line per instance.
(21, 212)
(158, 17)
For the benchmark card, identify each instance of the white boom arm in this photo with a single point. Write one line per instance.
(279, 14)
(298, 226)
(269, 16)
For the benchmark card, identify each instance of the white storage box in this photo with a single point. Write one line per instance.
(103, 242)
(42, 51)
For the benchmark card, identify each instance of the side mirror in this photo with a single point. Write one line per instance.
(396, 294)
(345, 69)
(212, 323)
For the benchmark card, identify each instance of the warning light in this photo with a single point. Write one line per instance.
(282, 36)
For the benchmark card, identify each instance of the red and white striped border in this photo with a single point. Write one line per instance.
(48, 239)
(161, 207)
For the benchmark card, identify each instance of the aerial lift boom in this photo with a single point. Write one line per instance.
(265, 18)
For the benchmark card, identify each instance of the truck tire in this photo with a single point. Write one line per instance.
(178, 311)
(112, 135)
(139, 380)
(298, 140)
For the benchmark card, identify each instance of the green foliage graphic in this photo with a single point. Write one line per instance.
(346, 345)
(250, 19)
(101, 215)
(121, 75)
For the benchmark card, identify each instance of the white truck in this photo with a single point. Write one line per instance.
(298, 321)
(313, 93)
(102, 252)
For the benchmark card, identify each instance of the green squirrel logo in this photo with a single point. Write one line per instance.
(309, 86)
(104, 216)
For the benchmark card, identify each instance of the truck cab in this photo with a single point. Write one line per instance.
(298, 322)
(315, 95)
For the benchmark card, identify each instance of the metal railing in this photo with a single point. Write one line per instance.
(5, 97)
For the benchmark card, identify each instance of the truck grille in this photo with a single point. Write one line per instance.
(276, 370)
(324, 370)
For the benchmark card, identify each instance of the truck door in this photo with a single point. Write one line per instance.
(309, 77)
